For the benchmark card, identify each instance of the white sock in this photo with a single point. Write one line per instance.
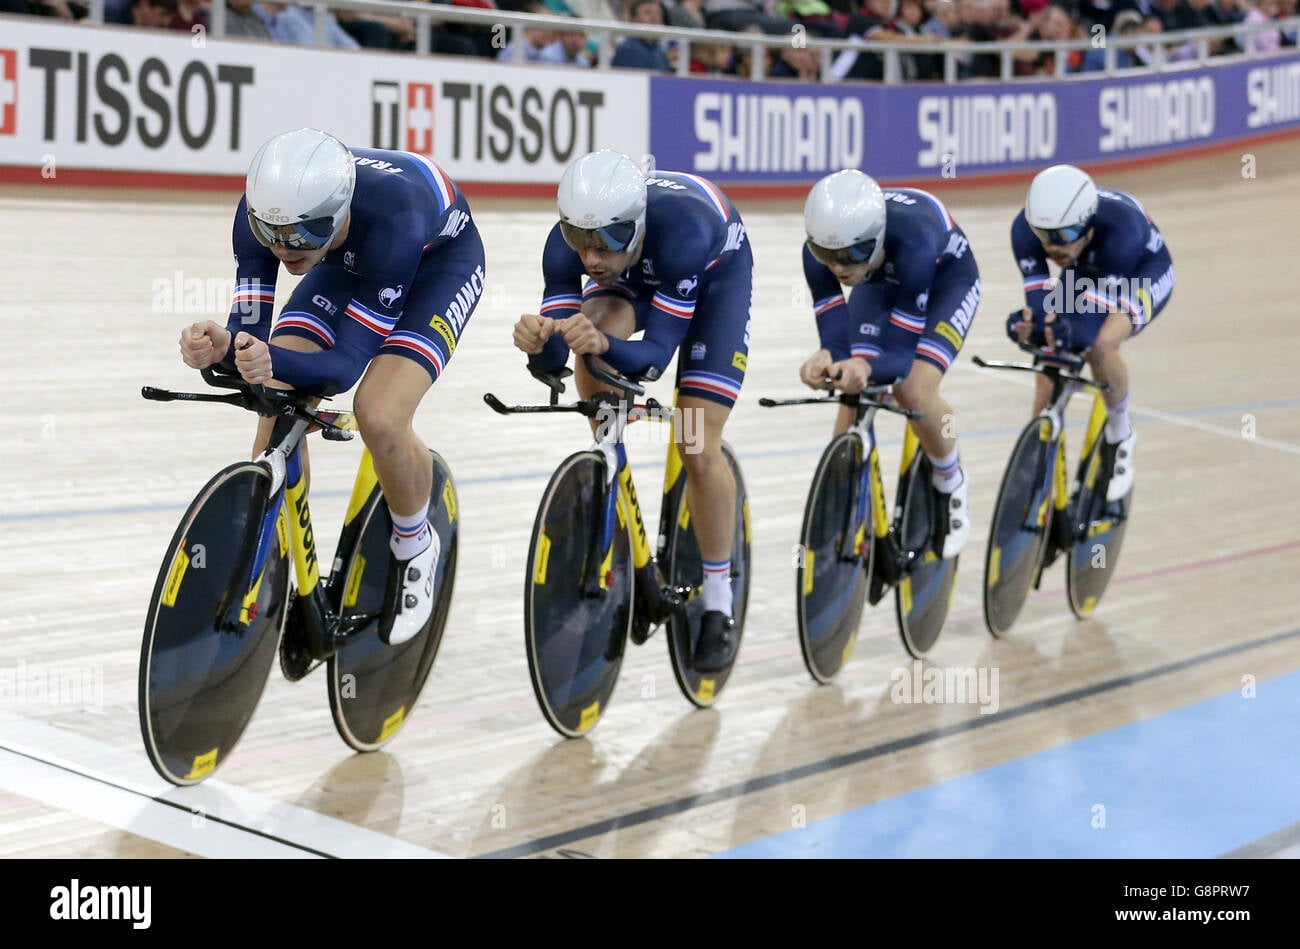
(717, 586)
(1118, 426)
(411, 534)
(947, 472)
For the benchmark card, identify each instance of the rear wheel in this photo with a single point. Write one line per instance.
(685, 570)
(575, 642)
(1099, 527)
(924, 592)
(214, 624)
(373, 687)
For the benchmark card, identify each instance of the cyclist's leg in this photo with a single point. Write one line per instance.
(441, 299)
(1135, 306)
(950, 310)
(713, 359)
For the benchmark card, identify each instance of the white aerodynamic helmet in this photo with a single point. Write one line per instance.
(844, 218)
(1061, 204)
(299, 189)
(602, 199)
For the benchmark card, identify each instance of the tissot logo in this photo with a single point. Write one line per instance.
(402, 116)
(8, 91)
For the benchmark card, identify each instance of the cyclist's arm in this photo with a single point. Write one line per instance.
(1032, 264)
(665, 328)
(829, 307)
(561, 298)
(253, 308)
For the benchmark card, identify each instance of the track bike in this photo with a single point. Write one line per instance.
(592, 581)
(1038, 517)
(222, 608)
(852, 552)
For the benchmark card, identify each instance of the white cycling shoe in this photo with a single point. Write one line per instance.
(958, 532)
(1121, 475)
(409, 601)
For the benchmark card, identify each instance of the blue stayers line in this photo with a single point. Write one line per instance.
(1193, 783)
(542, 475)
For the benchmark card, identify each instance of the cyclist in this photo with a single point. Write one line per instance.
(915, 289)
(666, 254)
(1116, 276)
(392, 268)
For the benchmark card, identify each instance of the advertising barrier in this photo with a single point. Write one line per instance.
(147, 103)
(785, 133)
(136, 100)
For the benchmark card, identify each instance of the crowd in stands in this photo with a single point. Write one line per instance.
(967, 23)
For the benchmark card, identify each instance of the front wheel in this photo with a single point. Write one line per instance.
(1099, 527)
(214, 624)
(373, 687)
(924, 592)
(577, 596)
(686, 570)
(832, 567)
(1020, 528)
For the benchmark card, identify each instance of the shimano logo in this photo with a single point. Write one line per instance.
(743, 132)
(986, 129)
(1273, 93)
(1156, 113)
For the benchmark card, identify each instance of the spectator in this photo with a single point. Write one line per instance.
(1127, 23)
(535, 39)
(1265, 41)
(637, 52)
(1050, 24)
(799, 63)
(155, 13)
(569, 49)
(710, 59)
(242, 21)
(296, 25)
(688, 14)
(738, 15)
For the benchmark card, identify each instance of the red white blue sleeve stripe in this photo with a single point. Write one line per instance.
(682, 309)
(827, 303)
(307, 324)
(934, 353)
(383, 325)
(711, 382)
(561, 304)
(1038, 283)
(865, 350)
(913, 324)
(248, 292)
(418, 345)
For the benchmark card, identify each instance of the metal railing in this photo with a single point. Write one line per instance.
(607, 34)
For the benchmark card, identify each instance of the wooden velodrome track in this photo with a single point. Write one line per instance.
(93, 294)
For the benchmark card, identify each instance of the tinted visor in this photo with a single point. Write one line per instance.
(845, 256)
(301, 235)
(612, 237)
(1059, 236)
